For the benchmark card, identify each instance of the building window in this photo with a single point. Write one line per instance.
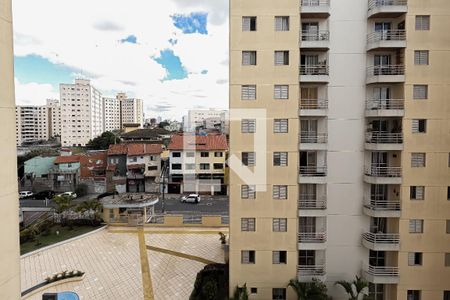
(204, 166)
(279, 257)
(176, 167)
(422, 23)
(447, 259)
(415, 226)
(279, 294)
(218, 154)
(248, 224)
(279, 225)
(281, 58)
(248, 159)
(254, 290)
(419, 126)
(190, 166)
(204, 154)
(421, 57)
(282, 23)
(280, 126)
(281, 92)
(248, 256)
(218, 166)
(248, 23)
(190, 154)
(152, 168)
(418, 160)
(415, 259)
(279, 192)
(416, 192)
(413, 295)
(176, 154)
(447, 226)
(420, 92)
(248, 126)
(248, 192)
(280, 159)
(446, 295)
(249, 58)
(448, 193)
(248, 92)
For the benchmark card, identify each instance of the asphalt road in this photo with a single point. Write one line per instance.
(212, 205)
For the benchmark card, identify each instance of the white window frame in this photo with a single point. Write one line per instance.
(248, 92)
(280, 192)
(249, 58)
(281, 92)
(248, 191)
(248, 125)
(420, 92)
(418, 160)
(279, 224)
(281, 58)
(416, 226)
(421, 57)
(248, 224)
(282, 23)
(423, 22)
(282, 158)
(281, 125)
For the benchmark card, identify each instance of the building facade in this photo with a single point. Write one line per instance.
(197, 118)
(82, 112)
(356, 117)
(122, 110)
(9, 214)
(32, 124)
(111, 114)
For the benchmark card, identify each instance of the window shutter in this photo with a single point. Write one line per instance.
(412, 226)
(411, 260)
(248, 92)
(419, 192)
(422, 22)
(279, 58)
(278, 23)
(417, 159)
(421, 57)
(276, 192)
(276, 257)
(419, 226)
(283, 192)
(246, 58)
(244, 191)
(246, 23)
(415, 126)
(420, 92)
(283, 225)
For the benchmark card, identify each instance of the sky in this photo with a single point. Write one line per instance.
(173, 54)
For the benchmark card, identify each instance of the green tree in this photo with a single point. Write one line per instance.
(315, 290)
(94, 207)
(63, 205)
(240, 293)
(163, 124)
(103, 141)
(358, 289)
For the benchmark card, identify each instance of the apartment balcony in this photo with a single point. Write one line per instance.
(135, 176)
(381, 241)
(315, 39)
(384, 141)
(314, 73)
(312, 240)
(386, 74)
(388, 39)
(315, 8)
(306, 273)
(313, 140)
(382, 208)
(385, 108)
(383, 175)
(313, 174)
(313, 107)
(312, 206)
(387, 8)
(381, 275)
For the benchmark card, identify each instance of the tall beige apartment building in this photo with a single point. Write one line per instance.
(355, 95)
(122, 110)
(9, 214)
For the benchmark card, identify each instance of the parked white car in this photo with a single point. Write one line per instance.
(194, 198)
(24, 194)
(71, 194)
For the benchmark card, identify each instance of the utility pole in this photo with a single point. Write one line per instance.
(163, 186)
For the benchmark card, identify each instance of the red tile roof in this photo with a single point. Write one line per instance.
(93, 161)
(117, 149)
(135, 166)
(142, 149)
(208, 142)
(67, 159)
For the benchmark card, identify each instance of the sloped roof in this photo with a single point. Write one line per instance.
(145, 133)
(208, 142)
(142, 149)
(67, 159)
(117, 149)
(93, 161)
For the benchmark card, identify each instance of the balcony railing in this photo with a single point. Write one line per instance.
(312, 237)
(384, 138)
(381, 271)
(311, 270)
(387, 35)
(313, 103)
(307, 201)
(384, 70)
(384, 171)
(315, 3)
(315, 36)
(383, 3)
(388, 104)
(382, 238)
(313, 170)
(135, 176)
(309, 137)
(319, 69)
(383, 205)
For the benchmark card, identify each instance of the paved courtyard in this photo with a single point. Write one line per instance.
(120, 261)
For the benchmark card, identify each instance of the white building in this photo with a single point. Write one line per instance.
(122, 110)
(173, 126)
(54, 117)
(132, 111)
(31, 124)
(197, 118)
(111, 114)
(82, 112)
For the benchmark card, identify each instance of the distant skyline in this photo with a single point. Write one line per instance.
(173, 53)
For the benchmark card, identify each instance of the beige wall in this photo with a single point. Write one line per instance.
(9, 214)
(263, 274)
(432, 277)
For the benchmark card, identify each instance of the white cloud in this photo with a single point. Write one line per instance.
(66, 31)
(34, 93)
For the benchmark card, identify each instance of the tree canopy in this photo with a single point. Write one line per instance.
(103, 141)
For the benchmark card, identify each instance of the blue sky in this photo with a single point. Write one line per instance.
(174, 56)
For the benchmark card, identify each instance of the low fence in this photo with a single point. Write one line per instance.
(188, 220)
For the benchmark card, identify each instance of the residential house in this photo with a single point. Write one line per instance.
(65, 175)
(143, 167)
(116, 170)
(147, 135)
(93, 171)
(36, 173)
(197, 164)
